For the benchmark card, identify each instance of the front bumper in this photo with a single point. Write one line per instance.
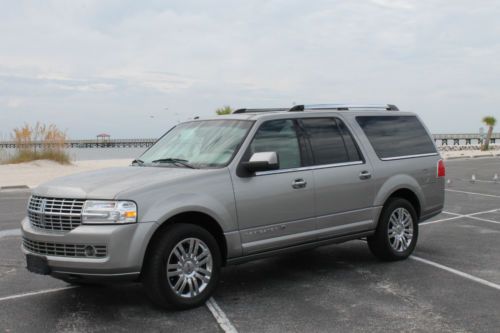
(125, 245)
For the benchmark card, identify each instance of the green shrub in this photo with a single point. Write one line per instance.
(224, 110)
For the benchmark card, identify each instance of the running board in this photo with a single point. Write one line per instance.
(298, 247)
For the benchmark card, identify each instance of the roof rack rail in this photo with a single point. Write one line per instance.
(340, 107)
(261, 110)
(345, 107)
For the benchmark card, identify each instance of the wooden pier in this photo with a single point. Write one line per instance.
(440, 139)
(111, 143)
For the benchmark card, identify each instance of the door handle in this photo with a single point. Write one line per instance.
(299, 183)
(363, 175)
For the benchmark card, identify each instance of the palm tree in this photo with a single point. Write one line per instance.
(224, 110)
(489, 121)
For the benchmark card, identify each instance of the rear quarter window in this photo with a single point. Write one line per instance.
(396, 136)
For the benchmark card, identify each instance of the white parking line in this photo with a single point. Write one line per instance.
(442, 220)
(475, 193)
(450, 213)
(34, 293)
(220, 316)
(10, 232)
(484, 212)
(472, 216)
(484, 220)
(457, 272)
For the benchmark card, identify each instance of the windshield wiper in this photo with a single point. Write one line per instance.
(138, 162)
(179, 161)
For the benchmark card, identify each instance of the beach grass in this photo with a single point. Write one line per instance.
(23, 156)
(39, 142)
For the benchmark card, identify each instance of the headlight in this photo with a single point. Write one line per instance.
(108, 212)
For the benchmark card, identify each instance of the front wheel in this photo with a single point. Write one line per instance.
(397, 231)
(183, 267)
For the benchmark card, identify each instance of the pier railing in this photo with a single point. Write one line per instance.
(463, 139)
(111, 143)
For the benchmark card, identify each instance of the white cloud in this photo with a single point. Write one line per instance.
(160, 81)
(13, 103)
(91, 87)
(395, 4)
(79, 60)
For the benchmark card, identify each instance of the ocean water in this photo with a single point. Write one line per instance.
(82, 154)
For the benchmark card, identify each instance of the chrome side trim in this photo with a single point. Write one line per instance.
(97, 274)
(408, 156)
(317, 232)
(311, 167)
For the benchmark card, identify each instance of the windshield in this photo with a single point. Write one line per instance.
(198, 144)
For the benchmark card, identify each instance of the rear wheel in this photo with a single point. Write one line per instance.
(397, 231)
(183, 267)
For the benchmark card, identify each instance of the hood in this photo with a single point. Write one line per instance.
(108, 183)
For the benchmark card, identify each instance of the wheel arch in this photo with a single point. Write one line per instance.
(409, 195)
(192, 217)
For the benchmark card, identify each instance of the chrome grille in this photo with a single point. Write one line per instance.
(54, 213)
(64, 250)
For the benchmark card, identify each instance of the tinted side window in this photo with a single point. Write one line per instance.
(327, 142)
(350, 145)
(279, 136)
(394, 136)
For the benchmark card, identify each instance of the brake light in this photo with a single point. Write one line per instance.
(441, 169)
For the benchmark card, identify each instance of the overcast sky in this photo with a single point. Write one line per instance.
(135, 68)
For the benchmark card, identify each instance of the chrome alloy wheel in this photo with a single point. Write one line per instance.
(189, 267)
(400, 229)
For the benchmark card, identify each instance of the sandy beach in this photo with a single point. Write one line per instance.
(32, 174)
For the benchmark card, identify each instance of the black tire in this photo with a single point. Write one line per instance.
(155, 280)
(380, 243)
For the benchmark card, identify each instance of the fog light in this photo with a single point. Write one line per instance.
(90, 251)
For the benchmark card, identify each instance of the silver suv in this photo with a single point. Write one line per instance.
(234, 188)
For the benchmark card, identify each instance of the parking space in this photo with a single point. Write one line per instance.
(452, 284)
(469, 203)
(460, 172)
(343, 289)
(465, 244)
(12, 208)
(122, 308)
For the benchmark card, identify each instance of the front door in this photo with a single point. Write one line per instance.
(276, 208)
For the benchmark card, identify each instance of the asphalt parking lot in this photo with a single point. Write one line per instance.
(450, 284)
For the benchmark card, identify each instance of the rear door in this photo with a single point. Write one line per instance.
(344, 190)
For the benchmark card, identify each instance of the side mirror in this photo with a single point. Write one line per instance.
(262, 162)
